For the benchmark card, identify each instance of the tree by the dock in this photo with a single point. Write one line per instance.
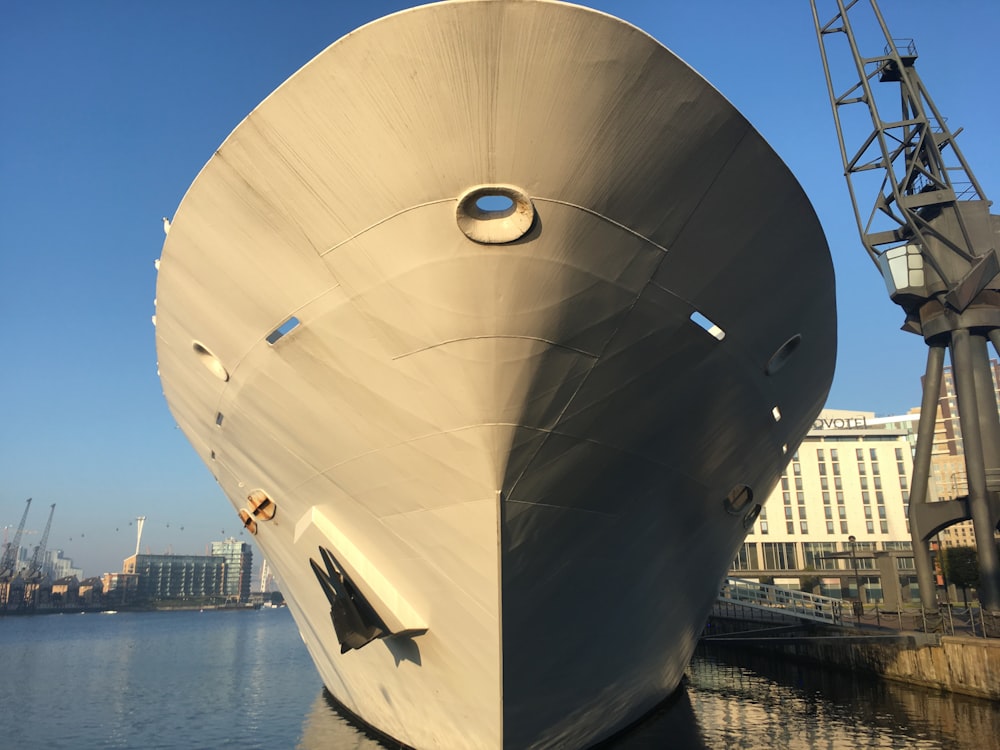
(961, 567)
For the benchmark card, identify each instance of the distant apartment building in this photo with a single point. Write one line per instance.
(849, 478)
(177, 576)
(238, 557)
(949, 439)
(55, 566)
(948, 473)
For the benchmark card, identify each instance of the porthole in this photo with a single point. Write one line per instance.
(212, 363)
(283, 330)
(494, 214)
(711, 328)
(780, 357)
(751, 517)
(738, 498)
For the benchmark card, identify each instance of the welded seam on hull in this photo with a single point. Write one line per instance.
(590, 355)
(500, 548)
(382, 221)
(607, 219)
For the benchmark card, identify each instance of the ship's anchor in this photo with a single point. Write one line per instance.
(354, 619)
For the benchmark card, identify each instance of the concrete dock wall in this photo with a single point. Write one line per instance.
(970, 666)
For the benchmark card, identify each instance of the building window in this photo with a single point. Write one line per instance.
(828, 512)
(814, 554)
(884, 526)
(881, 511)
(861, 468)
(834, 454)
(859, 453)
(868, 511)
(872, 454)
(790, 527)
(797, 469)
(864, 483)
(800, 498)
(820, 454)
(788, 512)
(779, 556)
(903, 484)
(870, 526)
(829, 527)
(804, 527)
(784, 483)
(838, 483)
(822, 470)
(841, 512)
(878, 483)
(826, 498)
(763, 527)
(836, 470)
(899, 454)
(746, 558)
(798, 483)
(875, 471)
(865, 498)
(824, 483)
(843, 527)
(840, 498)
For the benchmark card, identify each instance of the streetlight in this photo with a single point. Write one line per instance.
(852, 540)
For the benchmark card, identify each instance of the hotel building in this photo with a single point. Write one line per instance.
(841, 505)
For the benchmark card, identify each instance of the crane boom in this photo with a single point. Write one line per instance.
(9, 561)
(920, 191)
(928, 228)
(35, 568)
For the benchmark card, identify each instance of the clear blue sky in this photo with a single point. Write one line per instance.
(108, 111)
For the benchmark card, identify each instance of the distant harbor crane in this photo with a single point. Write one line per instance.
(35, 567)
(8, 563)
(930, 233)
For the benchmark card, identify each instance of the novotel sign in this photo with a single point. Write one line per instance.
(840, 423)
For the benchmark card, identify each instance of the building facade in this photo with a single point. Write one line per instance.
(177, 576)
(238, 557)
(841, 504)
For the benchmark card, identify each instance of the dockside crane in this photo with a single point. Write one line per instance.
(35, 568)
(8, 563)
(925, 222)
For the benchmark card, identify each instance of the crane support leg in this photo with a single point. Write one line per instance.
(920, 484)
(977, 413)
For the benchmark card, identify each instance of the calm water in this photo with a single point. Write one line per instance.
(183, 680)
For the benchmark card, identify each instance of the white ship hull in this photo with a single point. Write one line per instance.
(517, 447)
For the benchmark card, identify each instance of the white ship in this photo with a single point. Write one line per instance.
(494, 322)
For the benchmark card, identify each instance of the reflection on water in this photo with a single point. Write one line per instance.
(754, 701)
(736, 699)
(178, 680)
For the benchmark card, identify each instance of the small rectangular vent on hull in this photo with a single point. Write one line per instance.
(708, 325)
(284, 329)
